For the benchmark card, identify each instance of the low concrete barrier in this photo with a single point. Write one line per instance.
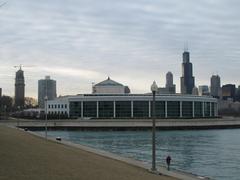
(129, 124)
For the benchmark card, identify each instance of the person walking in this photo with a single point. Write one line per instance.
(168, 161)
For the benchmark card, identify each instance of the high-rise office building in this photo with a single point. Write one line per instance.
(170, 87)
(228, 91)
(46, 88)
(195, 91)
(169, 79)
(215, 86)
(19, 89)
(203, 90)
(187, 79)
(0, 92)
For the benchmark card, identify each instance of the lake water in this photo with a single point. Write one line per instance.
(211, 153)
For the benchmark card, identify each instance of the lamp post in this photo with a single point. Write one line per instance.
(45, 99)
(154, 89)
(5, 112)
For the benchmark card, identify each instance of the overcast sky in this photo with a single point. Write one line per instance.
(78, 42)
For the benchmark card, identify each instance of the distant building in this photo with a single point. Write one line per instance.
(203, 90)
(0, 92)
(127, 90)
(46, 88)
(187, 79)
(215, 86)
(238, 94)
(163, 90)
(170, 88)
(195, 91)
(228, 91)
(19, 89)
(169, 79)
(110, 86)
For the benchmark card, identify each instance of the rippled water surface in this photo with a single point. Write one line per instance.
(212, 153)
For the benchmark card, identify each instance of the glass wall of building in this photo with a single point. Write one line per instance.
(207, 109)
(213, 108)
(173, 109)
(123, 109)
(187, 109)
(90, 109)
(75, 109)
(198, 109)
(141, 109)
(105, 109)
(160, 109)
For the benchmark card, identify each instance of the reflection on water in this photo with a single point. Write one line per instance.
(213, 153)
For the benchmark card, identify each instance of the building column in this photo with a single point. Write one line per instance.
(193, 109)
(149, 109)
(166, 110)
(114, 109)
(81, 109)
(68, 109)
(203, 111)
(181, 109)
(97, 109)
(131, 109)
(216, 109)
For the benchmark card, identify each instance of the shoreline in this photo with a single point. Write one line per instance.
(182, 175)
(127, 124)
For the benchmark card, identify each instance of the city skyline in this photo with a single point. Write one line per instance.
(80, 42)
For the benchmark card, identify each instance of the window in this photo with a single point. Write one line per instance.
(187, 110)
(207, 109)
(198, 109)
(213, 109)
(75, 109)
(160, 108)
(90, 109)
(173, 109)
(141, 109)
(105, 109)
(123, 109)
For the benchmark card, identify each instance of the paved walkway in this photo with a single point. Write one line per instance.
(26, 157)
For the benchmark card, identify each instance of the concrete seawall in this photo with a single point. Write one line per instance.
(120, 124)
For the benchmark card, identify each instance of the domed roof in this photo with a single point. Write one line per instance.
(108, 82)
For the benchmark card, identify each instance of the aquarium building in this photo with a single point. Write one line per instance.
(109, 100)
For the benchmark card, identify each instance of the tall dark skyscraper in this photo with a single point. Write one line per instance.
(170, 87)
(19, 89)
(169, 79)
(187, 79)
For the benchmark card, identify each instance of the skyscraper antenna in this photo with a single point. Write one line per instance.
(186, 46)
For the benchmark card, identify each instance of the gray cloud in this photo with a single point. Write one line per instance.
(134, 42)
